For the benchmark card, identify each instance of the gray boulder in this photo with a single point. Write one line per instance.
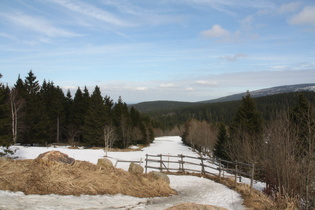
(56, 156)
(135, 168)
(105, 163)
(162, 176)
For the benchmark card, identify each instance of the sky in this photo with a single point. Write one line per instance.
(142, 50)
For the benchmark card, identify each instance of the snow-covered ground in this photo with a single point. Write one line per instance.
(189, 188)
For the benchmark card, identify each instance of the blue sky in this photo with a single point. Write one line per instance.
(141, 50)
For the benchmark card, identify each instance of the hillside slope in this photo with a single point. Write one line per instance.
(169, 106)
(266, 92)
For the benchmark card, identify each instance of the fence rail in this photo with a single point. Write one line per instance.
(183, 163)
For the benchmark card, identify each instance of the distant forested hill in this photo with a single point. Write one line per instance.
(224, 111)
(153, 106)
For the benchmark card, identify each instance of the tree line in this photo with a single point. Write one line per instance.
(268, 106)
(31, 113)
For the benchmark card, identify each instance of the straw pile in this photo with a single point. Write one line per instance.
(48, 177)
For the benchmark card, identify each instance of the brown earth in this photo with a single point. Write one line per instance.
(49, 177)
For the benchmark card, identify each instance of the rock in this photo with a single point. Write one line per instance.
(135, 168)
(56, 156)
(162, 176)
(105, 163)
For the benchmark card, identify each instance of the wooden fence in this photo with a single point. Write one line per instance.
(183, 163)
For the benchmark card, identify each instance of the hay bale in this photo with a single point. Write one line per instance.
(56, 156)
(105, 163)
(135, 168)
(161, 176)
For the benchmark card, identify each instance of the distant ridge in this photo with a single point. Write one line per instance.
(151, 106)
(265, 92)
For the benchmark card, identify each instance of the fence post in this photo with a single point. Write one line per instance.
(202, 166)
(146, 162)
(181, 163)
(252, 178)
(220, 169)
(182, 158)
(161, 169)
(236, 168)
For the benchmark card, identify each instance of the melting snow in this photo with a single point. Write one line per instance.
(189, 188)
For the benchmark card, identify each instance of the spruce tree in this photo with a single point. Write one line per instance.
(53, 99)
(80, 105)
(95, 120)
(5, 117)
(36, 120)
(122, 122)
(139, 134)
(246, 132)
(220, 148)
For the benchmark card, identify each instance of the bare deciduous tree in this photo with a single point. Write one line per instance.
(16, 104)
(201, 135)
(109, 137)
(289, 162)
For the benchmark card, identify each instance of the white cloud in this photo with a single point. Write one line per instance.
(216, 32)
(289, 7)
(206, 83)
(93, 12)
(305, 17)
(144, 15)
(7, 36)
(167, 85)
(227, 6)
(221, 34)
(141, 88)
(233, 58)
(39, 25)
(279, 67)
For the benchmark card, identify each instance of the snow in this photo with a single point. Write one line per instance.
(189, 188)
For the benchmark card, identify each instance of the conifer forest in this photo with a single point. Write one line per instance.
(41, 114)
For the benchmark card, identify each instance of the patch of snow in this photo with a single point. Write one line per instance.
(133, 147)
(189, 188)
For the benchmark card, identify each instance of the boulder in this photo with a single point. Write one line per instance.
(56, 156)
(162, 176)
(105, 163)
(135, 168)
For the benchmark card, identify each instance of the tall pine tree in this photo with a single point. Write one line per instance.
(5, 118)
(97, 116)
(36, 120)
(220, 148)
(246, 132)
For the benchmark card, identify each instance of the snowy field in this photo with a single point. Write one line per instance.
(189, 188)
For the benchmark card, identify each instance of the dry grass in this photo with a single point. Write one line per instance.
(194, 206)
(47, 177)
